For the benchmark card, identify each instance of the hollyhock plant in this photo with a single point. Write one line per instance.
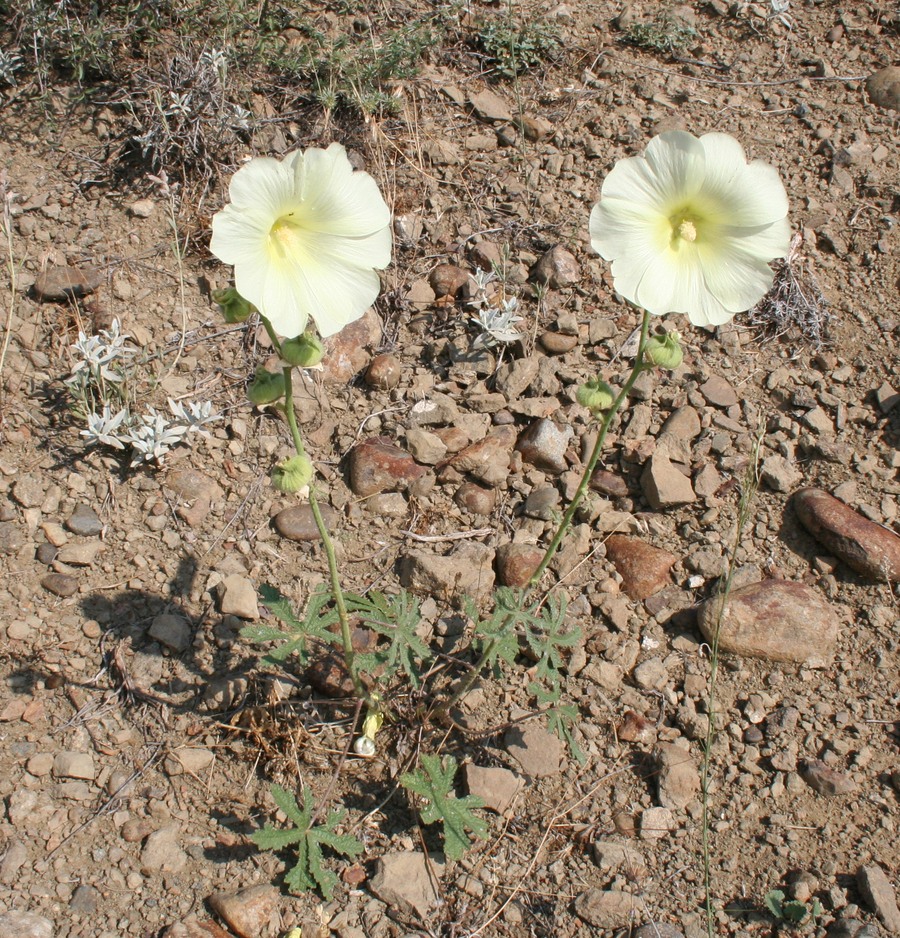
(306, 236)
(690, 227)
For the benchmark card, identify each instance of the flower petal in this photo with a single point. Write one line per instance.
(671, 171)
(238, 233)
(264, 186)
(618, 227)
(338, 201)
(747, 195)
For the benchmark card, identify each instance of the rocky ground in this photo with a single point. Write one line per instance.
(140, 733)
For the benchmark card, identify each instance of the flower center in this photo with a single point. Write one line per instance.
(286, 237)
(687, 230)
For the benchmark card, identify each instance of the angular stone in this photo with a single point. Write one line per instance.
(780, 474)
(866, 547)
(656, 823)
(85, 522)
(544, 445)
(489, 106)
(557, 268)
(609, 483)
(74, 765)
(883, 87)
(514, 378)
(426, 447)
(12, 538)
(173, 632)
(237, 597)
(249, 912)
(15, 924)
(60, 584)
(607, 908)
(677, 778)
(537, 750)
(405, 881)
(644, 568)
(878, 892)
(298, 524)
(683, 423)
(773, 619)
(497, 787)
(615, 856)
(28, 491)
(465, 572)
(378, 465)
(517, 562)
(825, 780)
(162, 851)
(663, 485)
(719, 392)
(81, 555)
(348, 352)
(488, 459)
(60, 283)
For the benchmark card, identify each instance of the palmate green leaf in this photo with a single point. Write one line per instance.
(497, 635)
(560, 719)
(308, 872)
(395, 618)
(546, 635)
(435, 785)
(315, 624)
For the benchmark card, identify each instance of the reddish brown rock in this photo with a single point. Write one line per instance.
(348, 352)
(488, 459)
(825, 780)
(476, 498)
(384, 372)
(609, 483)
(644, 568)
(773, 619)
(867, 547)
(60, 283)
(250, 912)
(557, 268)
(378, 465)
(517, 562)
(557, 343)
(447, 280)
(298, 524)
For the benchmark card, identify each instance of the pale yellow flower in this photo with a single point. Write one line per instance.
(690, 227)
(306, 236)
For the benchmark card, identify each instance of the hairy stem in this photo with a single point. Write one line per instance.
(566, 522)
(751, 484)
(327, 543)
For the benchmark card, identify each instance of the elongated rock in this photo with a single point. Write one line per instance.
(774, 619)
(866, 547)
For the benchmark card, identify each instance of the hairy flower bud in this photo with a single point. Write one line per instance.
(306, 350)
(665, 350)
(596, 395)
(266, 388)
(234, 307)
(291, 475)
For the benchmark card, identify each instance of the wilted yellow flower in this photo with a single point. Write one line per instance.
(306, 235)
(690, 227)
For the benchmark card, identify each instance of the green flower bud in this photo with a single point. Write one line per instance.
(665, 350)
(267, 387)
(292, 474)
(306, 350)
(234, 307)
(596, 395)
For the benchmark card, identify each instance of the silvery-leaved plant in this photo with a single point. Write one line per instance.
(95, 356)
(496, 324)
(108, 429)
(194, 417)
(152, 436)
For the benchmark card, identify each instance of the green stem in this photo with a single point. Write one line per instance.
(327, 543)
(565, 524)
